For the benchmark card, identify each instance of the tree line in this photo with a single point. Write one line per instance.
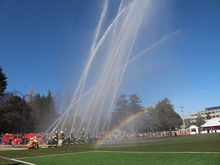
(18, 115)
(30, 112)
(35, 113)
(161, 117)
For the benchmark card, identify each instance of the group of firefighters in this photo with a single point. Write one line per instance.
(62, 140)
(66, 140)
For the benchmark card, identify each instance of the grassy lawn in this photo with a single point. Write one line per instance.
(127, 158)
(185, 143)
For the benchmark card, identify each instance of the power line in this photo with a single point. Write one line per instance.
(17, 87)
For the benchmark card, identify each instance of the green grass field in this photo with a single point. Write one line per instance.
(186, 149)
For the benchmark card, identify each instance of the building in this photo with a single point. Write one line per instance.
(214, 113)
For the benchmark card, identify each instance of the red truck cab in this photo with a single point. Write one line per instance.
(6, 137)
(32, 135)
(17, 139)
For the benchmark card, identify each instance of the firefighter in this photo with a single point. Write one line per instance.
(48, 143)
(67, 141)
(36, 142)
(72, 140)
(77, 141)
(23, 139)
(9, 141)
(64, 142)
(62, 137)
(31, 144)
(81, 139)
(55, 139)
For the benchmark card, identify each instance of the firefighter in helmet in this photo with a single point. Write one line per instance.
(31, 144)
(72, 138)
(36, 142)
(62, 138)
(56, 139)
(9, 141)
(48, 142)
(81, 139)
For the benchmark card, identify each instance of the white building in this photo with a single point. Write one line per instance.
(214, 113)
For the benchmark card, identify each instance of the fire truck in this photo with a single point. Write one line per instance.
(32, 135)
(17, 138)
(11, 139)
(6, 138)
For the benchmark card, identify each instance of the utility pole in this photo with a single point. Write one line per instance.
(183, 116)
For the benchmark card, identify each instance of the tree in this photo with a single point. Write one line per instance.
(43, 111)
(134, 104)
(166, 115)
(33, 104)
(140, 123)
(68, 97)
(50, 109)
(152, 123)
(208, 116)
(15, 116)
(58, 100)
(121, 110)
(3, 84)
(8, 95)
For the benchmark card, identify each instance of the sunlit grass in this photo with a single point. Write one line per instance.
(184, 143)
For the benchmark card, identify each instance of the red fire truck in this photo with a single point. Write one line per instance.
(11, 139)
(7, 138)
(32, 135)
(17, 138)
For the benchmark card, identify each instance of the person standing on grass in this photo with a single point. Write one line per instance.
(56, 139)
(170, 132)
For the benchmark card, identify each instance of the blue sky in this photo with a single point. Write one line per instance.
(46, 44)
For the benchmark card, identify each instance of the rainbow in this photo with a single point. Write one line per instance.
(125, 122)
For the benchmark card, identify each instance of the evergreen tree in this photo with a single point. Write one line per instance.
(3, 84)
(121, 110)
(134, 104)
(50, 109)
(15, 116)
(165, 113)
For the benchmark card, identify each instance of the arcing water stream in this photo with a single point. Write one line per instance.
(107, 63)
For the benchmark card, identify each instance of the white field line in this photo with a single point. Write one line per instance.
(161, 152)
(17, 160)
(13, 149)
(56, 154)
(123, 152)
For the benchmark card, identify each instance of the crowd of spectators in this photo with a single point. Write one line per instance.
(116, 135)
